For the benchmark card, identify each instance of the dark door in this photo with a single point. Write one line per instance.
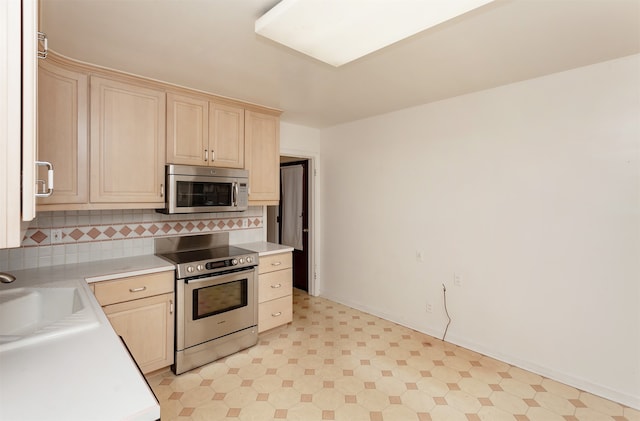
(300, 257)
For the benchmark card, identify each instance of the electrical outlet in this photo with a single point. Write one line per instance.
(457, 280)
(56, 236)
(429, 307)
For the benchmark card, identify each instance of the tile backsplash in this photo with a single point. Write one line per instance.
(63, 237)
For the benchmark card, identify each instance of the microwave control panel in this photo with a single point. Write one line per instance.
(243, 195)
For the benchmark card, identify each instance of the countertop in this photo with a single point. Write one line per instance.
(89, 374)
(264, 248)
(102, 270)
(84, 375)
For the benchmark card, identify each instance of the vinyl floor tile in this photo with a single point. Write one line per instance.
(337, 363)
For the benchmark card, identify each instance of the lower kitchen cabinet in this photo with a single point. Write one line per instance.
(140, 309)
(275, 289)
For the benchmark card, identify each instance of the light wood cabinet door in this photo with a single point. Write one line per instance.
(127, 143)
(262, 157)
(187, 130)
(226, 136)
(146, 326)
(202, 132)
(62, 132)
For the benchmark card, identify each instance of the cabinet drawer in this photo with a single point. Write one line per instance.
(274, 262)
(132, 288)
(275, 285)
(275, 313)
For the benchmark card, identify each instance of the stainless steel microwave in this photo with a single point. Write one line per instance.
(193, 189)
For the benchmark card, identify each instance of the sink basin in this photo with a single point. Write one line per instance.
(28, 315)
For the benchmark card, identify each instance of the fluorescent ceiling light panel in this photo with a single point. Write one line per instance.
(340, 31)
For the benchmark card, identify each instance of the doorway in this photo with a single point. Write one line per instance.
(289, 221)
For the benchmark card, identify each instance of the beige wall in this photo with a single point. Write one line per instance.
(529, 193)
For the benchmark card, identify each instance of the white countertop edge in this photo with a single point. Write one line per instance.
(145, 271)
(264, 248)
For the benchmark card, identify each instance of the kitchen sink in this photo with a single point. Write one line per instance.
(29, 315)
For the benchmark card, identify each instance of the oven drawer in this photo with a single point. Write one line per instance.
(132, 288)
(275, 285)
(275, 313)
(274, 262)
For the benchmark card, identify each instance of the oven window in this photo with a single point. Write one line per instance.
(216, 299)
(193, 194)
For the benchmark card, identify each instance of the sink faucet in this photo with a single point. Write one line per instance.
(6, 278)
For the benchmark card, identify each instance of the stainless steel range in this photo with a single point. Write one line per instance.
(216, 298)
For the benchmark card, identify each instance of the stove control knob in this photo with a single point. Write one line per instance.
(234, 262)
(241, 260)
(190, 269)
(249, 259)
(200, 267)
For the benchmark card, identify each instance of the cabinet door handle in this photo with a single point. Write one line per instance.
(137, 289)
(206, 155)
(276, 263)
(42, 37)
(276, 314)
(213, 155)
(170, 306)
(276, 286)
(161, 190)
(47, 185)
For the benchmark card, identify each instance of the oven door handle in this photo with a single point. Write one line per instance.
(215, 277)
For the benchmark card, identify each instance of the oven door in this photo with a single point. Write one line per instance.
(216, 306)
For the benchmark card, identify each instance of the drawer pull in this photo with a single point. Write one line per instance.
(276, 263)
(276, 286)
(276, 314)
(137, 289)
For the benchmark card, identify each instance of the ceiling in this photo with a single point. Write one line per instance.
(211, 45)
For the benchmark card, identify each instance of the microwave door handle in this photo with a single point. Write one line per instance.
(235, 194)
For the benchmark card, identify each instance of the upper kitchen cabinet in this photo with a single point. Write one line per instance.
(226, 135)
(109, 135)
(262, 157)
(62, 132)
(127, 143)
(18, 94)
(187, 129)
(204, 132)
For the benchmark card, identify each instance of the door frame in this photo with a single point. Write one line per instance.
(314, 215)
(298, 255)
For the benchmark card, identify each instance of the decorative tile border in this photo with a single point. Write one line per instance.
(35, 237)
